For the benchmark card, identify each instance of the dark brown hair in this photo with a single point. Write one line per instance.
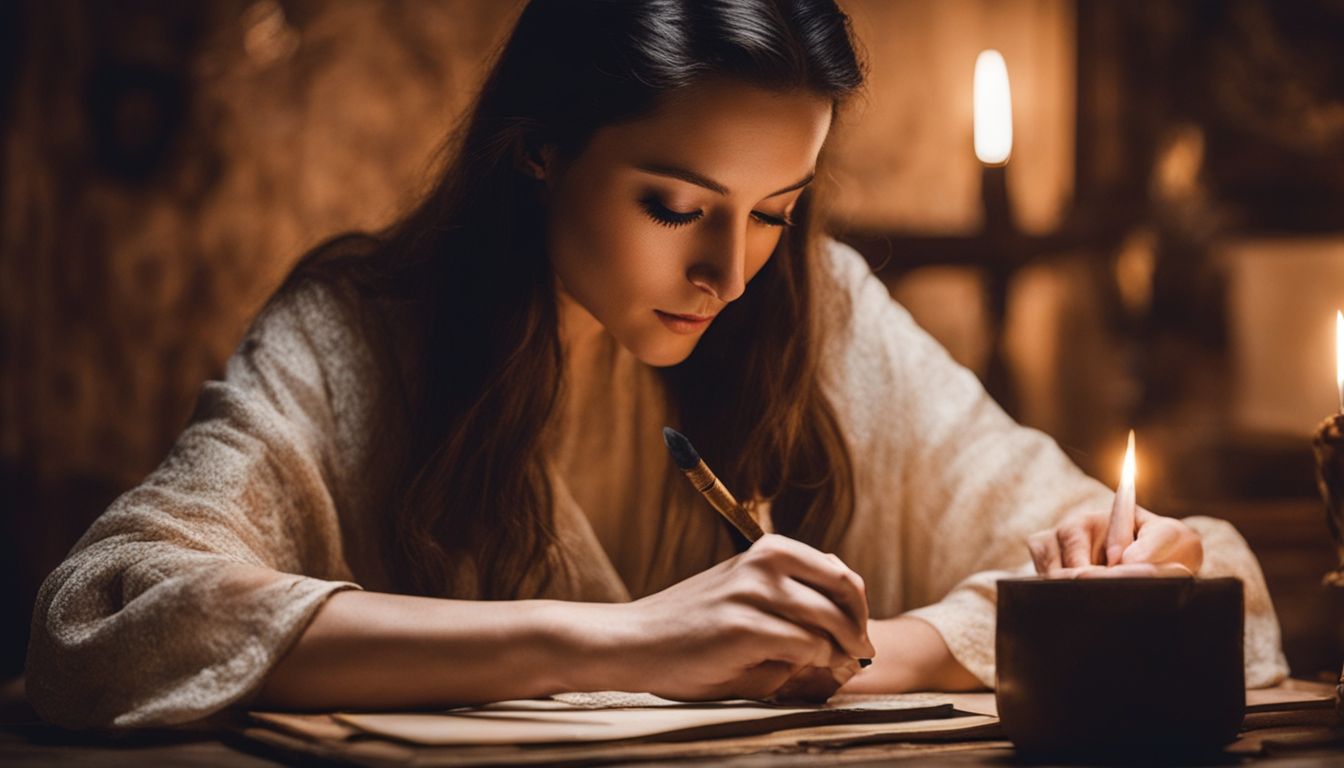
(469, 265)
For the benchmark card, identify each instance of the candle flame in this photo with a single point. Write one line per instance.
(993, 109)
(1128, 469)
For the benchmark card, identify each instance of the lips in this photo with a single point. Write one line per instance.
(683, 324)
(688, 318)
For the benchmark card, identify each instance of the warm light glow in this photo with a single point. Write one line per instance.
(1128, 470)
(993, 109)
(1339, 357)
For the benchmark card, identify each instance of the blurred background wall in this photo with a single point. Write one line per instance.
(1175, 256)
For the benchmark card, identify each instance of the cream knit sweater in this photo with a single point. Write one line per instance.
(186, 591)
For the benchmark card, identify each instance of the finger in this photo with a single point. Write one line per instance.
(1097, 525)
(1185, 547)
(830, 677)
(1037, 550)
(782, 640)
(1156, 542)
(1135, 570)
(824, 573)
(1070, 573)
(810, 685)
(1178, 563)
(861, 611)
(1075, 545)
(800, 603)
(1172, 569)
(762, 680)
(846, 673)
(1045, 554)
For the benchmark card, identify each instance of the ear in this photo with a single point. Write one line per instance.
(535, 160)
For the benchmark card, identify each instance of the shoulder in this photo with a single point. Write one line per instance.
(861, 325)
(841, 264)
(851, 299)
(317, 355)
(324, 321)
(332, 312)
(877, 362)
(307, 331)
(311, 378)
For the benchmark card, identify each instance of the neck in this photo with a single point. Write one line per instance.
(578, 328)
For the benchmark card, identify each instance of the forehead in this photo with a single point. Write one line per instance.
(743, 136)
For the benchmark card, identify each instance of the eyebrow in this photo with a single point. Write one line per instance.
(691, 177)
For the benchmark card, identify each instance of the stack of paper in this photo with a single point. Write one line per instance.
(614, 716)
(590, 727)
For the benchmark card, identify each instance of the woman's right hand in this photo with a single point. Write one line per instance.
(746, 626)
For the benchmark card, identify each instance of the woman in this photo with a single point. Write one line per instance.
(466, 408)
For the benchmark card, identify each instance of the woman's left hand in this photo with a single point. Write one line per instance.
(1076, 548)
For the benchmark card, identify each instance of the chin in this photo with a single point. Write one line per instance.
(663, 353)
(666, 357)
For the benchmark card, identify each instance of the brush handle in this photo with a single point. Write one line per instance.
(722, 500)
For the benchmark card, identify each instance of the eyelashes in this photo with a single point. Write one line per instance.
(661, 214)
(771, 221)
(667, 217)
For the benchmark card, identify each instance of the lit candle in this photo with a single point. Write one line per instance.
(1339, 357)
(993, 129)
(992, 103)
(1328, 446)
(1120, 532)
(993, 109)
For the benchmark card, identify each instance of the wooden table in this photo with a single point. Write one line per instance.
(41, 745)
(26, 742)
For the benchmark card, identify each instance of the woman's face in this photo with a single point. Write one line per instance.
(660, 222)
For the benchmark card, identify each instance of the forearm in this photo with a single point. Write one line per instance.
(911, 656)
(373, 650)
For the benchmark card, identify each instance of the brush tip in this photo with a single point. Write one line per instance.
(683, 453)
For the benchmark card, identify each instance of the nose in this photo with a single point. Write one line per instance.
(721, 270)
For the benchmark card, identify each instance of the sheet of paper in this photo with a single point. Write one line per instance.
(604, 716)
(622, 699)
(611, 716)
(917, 737)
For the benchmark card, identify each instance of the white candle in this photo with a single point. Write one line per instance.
(1120, 532)
(1129, 468)
(1339, 357)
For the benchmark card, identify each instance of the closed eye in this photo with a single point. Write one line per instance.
(771, 221)
(667, 217)
(661, 214)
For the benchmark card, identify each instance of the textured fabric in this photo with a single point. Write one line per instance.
(186, 591)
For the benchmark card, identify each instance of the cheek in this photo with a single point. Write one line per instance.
(760, 248)
(612, 259)
(760, 252)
